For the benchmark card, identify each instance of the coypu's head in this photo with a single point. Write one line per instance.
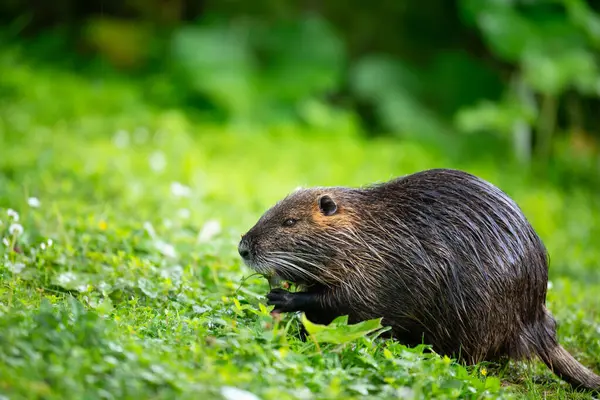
(293, 240)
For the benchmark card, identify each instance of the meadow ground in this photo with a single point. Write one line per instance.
(119, 274)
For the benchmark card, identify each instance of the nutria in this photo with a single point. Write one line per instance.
(444, 257)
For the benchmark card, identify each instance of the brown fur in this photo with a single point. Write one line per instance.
(443, 256)
(342, 218)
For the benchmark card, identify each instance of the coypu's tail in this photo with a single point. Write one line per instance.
(560, 361)
(563, 364)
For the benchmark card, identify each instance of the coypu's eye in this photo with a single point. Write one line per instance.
(290, 222)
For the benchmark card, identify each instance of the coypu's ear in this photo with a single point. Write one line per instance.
(327, 206)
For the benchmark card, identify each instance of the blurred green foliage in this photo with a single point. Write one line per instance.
(256, 71)
(555, 55)
(524, 73)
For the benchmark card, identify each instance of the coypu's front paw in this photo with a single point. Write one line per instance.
(282, 300)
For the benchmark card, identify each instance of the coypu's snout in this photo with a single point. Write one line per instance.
(247, 248)
(244, 249)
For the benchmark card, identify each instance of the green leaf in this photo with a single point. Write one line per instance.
(338, 331)
(374, 77)
(507, 32)
(585, 18)
(556, 73)
(490, 116)
(218, 62)
(307, 50)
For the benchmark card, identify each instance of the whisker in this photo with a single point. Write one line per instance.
(302, 271)
(288, 265)
(294, 256)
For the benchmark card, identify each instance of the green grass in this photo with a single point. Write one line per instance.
(127, 282)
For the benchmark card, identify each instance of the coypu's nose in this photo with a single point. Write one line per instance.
(244, 249)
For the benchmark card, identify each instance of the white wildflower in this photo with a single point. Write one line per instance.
(50, 242)
(174, 273)
(165, 248)
(232, 393)
(103, 286)
(16, 268)
(66, 278)
(117, 348)
(210, 229)
(140, 135)
(34, 202)
(180, 190)
(121, 139)
(184, 213)
(158, 161)
(43, 246)
(111, 361)
(200, 309)
(15, 229)
(12, 214)
(150, 229)
(6, 242)
(405, 393)
(83, 288)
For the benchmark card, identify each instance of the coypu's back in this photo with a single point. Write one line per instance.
(444, 257)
